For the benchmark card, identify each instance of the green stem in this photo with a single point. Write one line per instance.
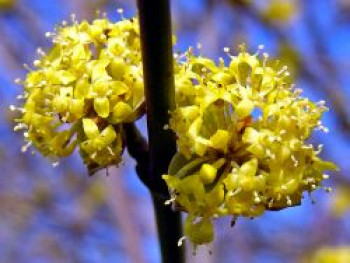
(157, 55)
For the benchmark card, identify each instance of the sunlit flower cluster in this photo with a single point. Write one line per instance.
(338, 254)
(82, 90)
(242, 134)
(242, 129)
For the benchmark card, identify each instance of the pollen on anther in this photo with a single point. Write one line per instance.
(226, 49)
(181, 240)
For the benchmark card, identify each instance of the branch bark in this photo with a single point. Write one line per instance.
(157, 55)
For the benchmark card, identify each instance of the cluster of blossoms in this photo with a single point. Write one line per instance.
(330, 255)
(82, 90)
(241, 129)
(242, 134)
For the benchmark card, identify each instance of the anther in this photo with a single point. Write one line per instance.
(25, 147)
(36, 63)
(325, 176)
(26, 66)
(55, 164)
(73, 18)
(110, 150)
(170, 201)
(181, 240)
(289, 201)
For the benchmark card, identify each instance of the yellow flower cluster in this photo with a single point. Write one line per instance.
(6, 4)
(340, 254)
(242, 133)
(82, 90)
(340, 202)
(280, 11)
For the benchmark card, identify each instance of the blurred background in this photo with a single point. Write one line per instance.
(61, 215)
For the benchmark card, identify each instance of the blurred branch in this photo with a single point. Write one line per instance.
(120, 204)
(87, 9)
(11, 50)
(33, 23)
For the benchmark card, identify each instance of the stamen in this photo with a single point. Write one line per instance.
(257, 199)
(235, 192)
(36, 63)
(325, 176)
(73, 18)
(321, 103)
(26, 66)
(40, 52)
(296, 162)
(171, 200)
(298, 91)
(319, 149)
(265, 58)
(110, 150)
(181, 240)
(20, 126)
(55, 164)
(25, 147)
(289, 201)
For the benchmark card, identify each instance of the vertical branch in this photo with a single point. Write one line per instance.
(157, 55)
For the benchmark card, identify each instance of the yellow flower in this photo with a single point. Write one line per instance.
(83, 89)
(242, 134)
(199, 232)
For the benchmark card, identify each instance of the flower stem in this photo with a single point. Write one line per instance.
(157, 55)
